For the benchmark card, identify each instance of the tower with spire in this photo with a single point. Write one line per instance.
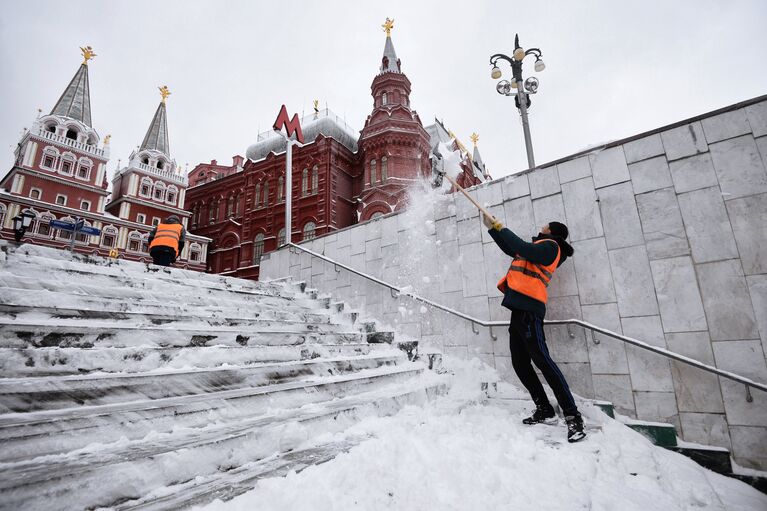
(59, 160)
(394, 146)
(151, 186)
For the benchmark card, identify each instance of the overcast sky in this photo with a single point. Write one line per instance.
(614, 68)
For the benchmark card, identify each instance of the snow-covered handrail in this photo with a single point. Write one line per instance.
(490, 324)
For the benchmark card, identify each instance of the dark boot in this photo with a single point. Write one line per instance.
(574, 428)
(543, 413)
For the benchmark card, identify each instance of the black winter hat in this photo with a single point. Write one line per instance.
(559, 229)
(173, 219)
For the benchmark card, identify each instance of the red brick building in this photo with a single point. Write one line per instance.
(60, 173)
(340, 176)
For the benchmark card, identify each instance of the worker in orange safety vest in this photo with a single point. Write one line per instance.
(166, 241)
(525, 292)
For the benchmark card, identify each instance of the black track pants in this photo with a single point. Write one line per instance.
(528, 343)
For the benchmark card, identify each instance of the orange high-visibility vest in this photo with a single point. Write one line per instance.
(167, 235)
(529, 278)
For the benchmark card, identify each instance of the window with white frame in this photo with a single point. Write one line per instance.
(195, 252)
(281, 237)
(85, 205)
(159, 191)
(50, 158)
(44, 229)
(134, 241)
(61, 200)
(146, 187)
(315, 179)
(258, 248)
(384, 98)
(309, 231)
(155, 221)
(2, 214)
(108, 237)
(304, 182)
(67, 164)
(171, 195)
(35, 193)
(84, 169)
(141, 218)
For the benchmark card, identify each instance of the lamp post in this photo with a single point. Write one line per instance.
(21, 223)
(522, 96)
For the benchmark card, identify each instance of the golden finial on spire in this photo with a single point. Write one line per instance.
(316, 103)
(88, 54)
(387, 26)
(474, 138)
(164, 92)
(107, 139)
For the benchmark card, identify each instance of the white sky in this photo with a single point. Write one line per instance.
(614, 68)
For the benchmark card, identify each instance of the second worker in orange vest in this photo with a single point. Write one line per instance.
(525, 292)
(166, 241)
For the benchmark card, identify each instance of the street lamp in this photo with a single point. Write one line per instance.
(21, 223)
(522, 95)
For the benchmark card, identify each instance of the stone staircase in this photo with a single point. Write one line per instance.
(139, 387)
(716, 459)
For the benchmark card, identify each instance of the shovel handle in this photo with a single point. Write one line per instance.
(471, 199)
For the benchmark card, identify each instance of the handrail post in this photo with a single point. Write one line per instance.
(749, 397)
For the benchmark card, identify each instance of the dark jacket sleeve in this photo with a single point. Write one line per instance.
(182, 240)
(152, 235)
(513, 245)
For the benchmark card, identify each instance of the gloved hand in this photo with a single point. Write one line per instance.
(491, 222)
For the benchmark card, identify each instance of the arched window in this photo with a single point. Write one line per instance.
(160, 164)
(134, 241)
(266, 193)
(62, 234)
(50, 127)
(84, 168)
(44, 229)
(159, 191)
(258, 195)
(281, 237)
(50, 158)
(315, 179)
(108, 237)
(280, 188)
(213, 211)
(384, 99)
(237, 203)
(309, 231)
(372, 172)
(195, 251)
(2, 214)
(72, 134)
(146, 187)
(304, 182)
(145, 160)
(171, 195)
(67, 164)
(384, 168)
(258, 248)
(230, 206)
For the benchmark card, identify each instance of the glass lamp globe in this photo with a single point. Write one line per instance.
(495, 73)
(519, 53)
(539, 65)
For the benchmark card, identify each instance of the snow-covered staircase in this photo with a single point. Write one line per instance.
(134, 386)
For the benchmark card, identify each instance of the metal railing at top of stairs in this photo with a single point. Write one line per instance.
(396, 292)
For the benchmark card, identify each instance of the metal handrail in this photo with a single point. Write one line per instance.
(490, 324)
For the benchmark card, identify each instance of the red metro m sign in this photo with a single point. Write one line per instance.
(292, 126)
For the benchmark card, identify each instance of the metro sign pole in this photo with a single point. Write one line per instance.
(292, 127)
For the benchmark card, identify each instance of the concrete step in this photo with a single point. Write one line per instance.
(19, 395)
(18, 334)
(15, 301)
(47, 432)
(30, 362)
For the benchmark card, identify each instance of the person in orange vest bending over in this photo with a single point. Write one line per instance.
(166, 241)
(524, 292)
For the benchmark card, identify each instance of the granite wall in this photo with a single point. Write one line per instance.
(670, 236)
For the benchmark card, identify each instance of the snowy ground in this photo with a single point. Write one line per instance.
(460, 454)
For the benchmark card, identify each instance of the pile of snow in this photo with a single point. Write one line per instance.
(460, 454)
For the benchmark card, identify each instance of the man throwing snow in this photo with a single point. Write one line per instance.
(166, 241)
(525, 292)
